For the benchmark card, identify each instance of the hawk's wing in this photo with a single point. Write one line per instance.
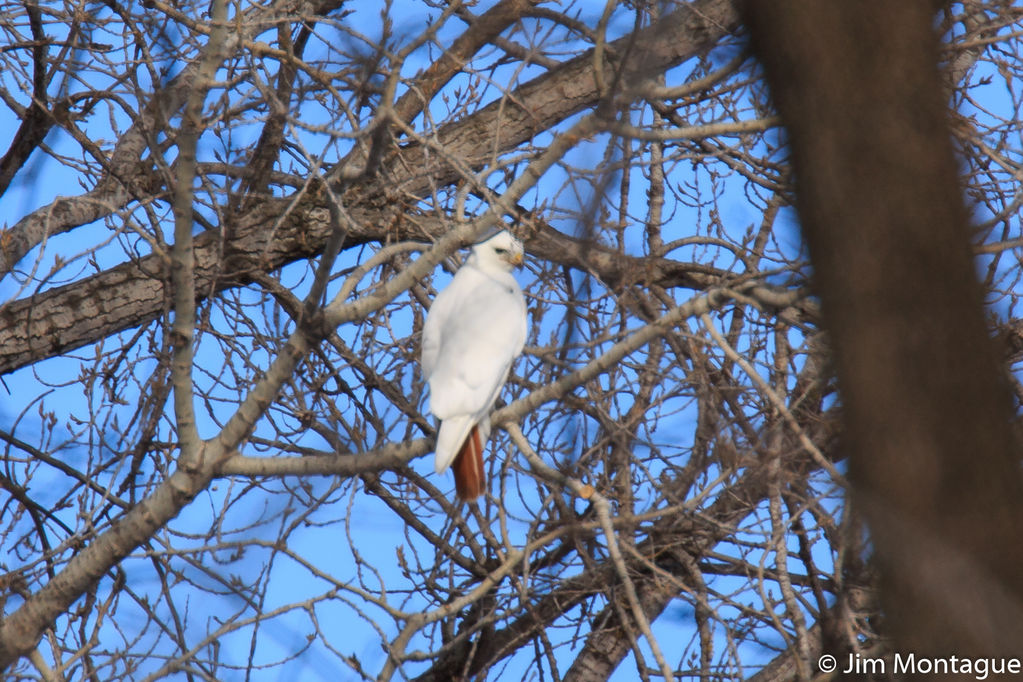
(475, 329)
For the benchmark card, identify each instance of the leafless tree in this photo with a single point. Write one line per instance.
(225, 223)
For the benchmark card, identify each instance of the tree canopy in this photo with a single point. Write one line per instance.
(224, 224)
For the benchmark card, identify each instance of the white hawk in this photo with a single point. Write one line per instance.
(475, 329)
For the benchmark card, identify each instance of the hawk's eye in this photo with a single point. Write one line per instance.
(498, 249)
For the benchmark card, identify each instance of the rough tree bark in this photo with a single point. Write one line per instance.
(68, 317)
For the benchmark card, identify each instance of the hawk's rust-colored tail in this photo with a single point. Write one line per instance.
(470, 478)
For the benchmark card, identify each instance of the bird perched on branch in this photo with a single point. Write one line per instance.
(475, 329)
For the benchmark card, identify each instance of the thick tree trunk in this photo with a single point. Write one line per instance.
(927, 416)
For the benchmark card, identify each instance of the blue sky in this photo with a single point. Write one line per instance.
(336, 518)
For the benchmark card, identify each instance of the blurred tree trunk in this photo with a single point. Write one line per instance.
(927, 415)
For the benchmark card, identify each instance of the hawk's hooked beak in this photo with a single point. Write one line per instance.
(515, 258)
